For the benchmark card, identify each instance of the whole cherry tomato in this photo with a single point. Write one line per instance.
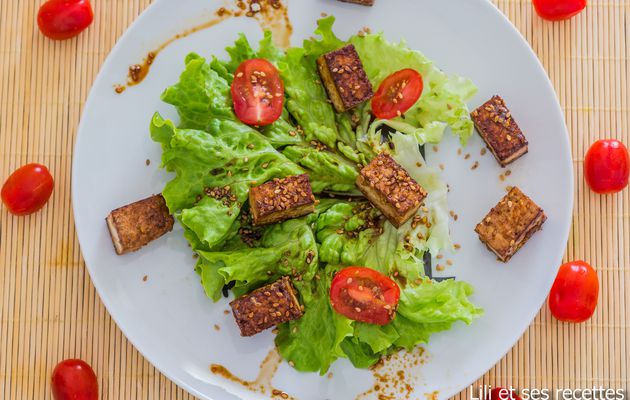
(397, 93)
(574, 293)
(499, 393)
(556, 10)
(363, 294)
(27, 189)
(607, 166)
(74, 380)
(64, 19)
(257, 92)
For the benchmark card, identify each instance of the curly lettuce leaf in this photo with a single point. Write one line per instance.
(443, 101)
(229, 155)
(285, 249)
(307, 100)
(201, 95)
(327, 170)
(313, 342)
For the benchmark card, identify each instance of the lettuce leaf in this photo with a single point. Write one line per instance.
(327, 170)
(443, 101)
(307, 100)
(313, 342)
(228, 155)
(285, 249)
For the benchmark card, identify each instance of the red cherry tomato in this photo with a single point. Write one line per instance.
(27, 189)
(573, 296)
(397, 93)
(363, 294)
(74, 380)
(499, 393)
(257, 92)
(64, 19)
(556, 10)
(607, 166)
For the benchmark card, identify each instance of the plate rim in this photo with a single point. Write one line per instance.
(447, 392)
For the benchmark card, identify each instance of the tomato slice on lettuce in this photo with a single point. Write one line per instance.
(363, 294)
(397, 93)
(257, 92)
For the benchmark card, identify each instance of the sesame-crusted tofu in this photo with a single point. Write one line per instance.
(281, 199)
(266, 307)
(137, 224)
(499, 130)
(345, 79)
(390, 189)
(510, 224)
(362, 2)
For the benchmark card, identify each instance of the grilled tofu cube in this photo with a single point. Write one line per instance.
(390, 189)
(281, 199)
(344, 78)
(510, 224)
(499, 130)
(362, 2)
(137, 224)
(266, 307)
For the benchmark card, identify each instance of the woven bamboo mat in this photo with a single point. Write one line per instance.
(49, 309)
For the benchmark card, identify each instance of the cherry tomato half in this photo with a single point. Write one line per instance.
(499, 393)
(556, 10)
(27, 189)
(363, 294)
(74, 380)
(607, 166)
(574, 293)
(397, 93)
(64, 19)
(257, 92)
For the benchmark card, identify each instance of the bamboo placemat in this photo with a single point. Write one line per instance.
(49, 309)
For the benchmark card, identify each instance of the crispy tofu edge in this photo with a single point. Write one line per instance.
(113, 233)
(329, 84)
(277, 216)
(485, 134)
(532, 228)
(115, 230)
(367, 3)
(379, 201)
(248, 330)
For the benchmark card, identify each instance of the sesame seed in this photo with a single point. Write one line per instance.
(467, 156)
(457, 246)
(439, 267)
(475, 165)
(292, 364)
(239, 75)
(357, 309)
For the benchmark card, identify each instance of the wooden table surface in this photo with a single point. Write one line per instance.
(49, 309)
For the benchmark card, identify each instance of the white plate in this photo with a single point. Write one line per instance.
(169, 319)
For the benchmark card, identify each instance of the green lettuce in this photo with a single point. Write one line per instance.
(288, 248)
(228, 155)
(313, 342)
(443, 101)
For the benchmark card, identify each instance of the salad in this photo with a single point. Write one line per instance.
(222, 148)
